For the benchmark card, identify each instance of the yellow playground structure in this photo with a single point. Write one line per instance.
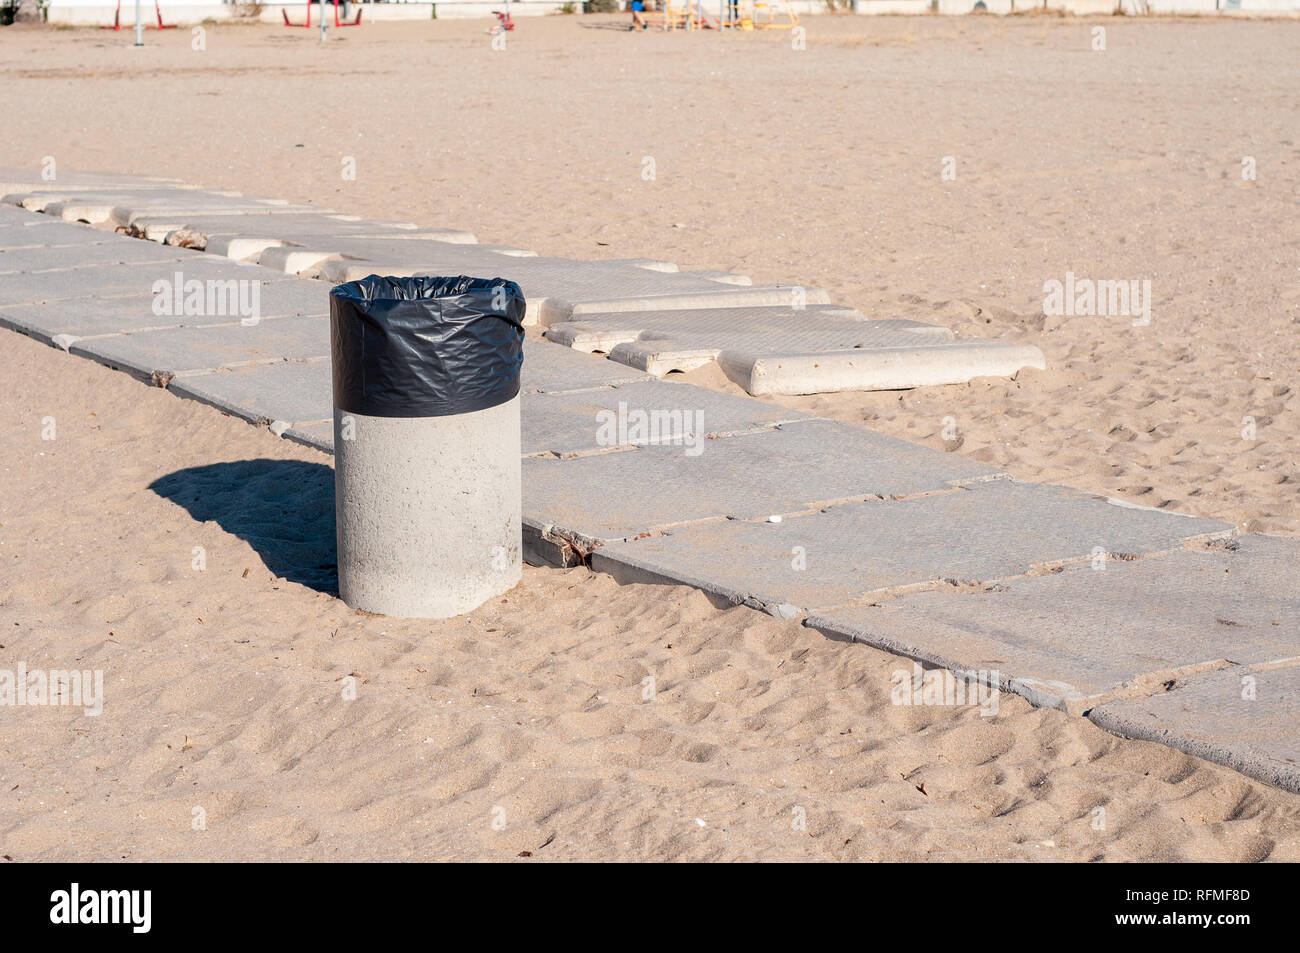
(722, 14)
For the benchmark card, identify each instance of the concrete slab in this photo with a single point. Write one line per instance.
(551, 369)
(349, 259)
(866, 552)
(722, 277)
(53, 257)
(716, 297)
(778, 350)
(602, 420)
(34, 231)
(319, 435)
(412, 253)
(320, 230)
(289, 394)
(614, 496)
(119, 208)
(91, 315)
(159, 356)
(1070, 639)
(11, 215)
(650, 264)
(558, 288)
(876, 368)
(706, 330)
(1244, 718)
(130, 279)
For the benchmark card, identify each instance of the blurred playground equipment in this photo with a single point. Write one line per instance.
(117, 19)
(505, 22)
(337, 21)
(722, 14)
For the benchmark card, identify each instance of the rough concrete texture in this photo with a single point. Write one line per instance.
(24, 230)
(335, 260)
(89, 316)
(117, 208)
(296, 225)
(158, 356)
(885, 368)
(402, 258)
(859, 552)
(556, 287)
(551, 285)
(614, 496)
(710, 298)
(324, 236)
(598, 421)
(1072, 638)
(122, 280)
(549, 369)
(711, 329)
(651, 264)
(779, 350)
(51, 258)
(722, 277)
(428, 510)
(319, 435)
(1244, 718)
(288, 394)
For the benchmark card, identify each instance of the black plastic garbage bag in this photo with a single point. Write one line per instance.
(425, 347)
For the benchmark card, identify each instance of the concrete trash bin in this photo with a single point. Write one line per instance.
(426, 442)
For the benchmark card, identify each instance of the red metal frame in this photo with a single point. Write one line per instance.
(337, 22)
(117, 19)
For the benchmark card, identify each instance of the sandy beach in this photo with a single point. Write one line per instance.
(524, 730)
(521, 727)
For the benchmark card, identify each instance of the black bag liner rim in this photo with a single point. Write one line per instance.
(425, 346)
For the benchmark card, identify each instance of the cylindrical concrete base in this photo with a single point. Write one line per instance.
(428, 510)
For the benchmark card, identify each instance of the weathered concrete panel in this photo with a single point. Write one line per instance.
(91, 315)
(132, 279)
(551, 369)
(1247, 719)
(857, 552)
(592, 421)
(619, 495)
(1070, 638)
(50, 258)
(289, 393)
(161, 355)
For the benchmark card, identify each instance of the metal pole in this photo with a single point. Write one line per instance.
(139, 26)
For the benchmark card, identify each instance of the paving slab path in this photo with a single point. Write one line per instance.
(1155, 625)
(774, 348)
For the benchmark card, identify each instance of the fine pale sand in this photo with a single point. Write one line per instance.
(224, 692)
(524, 727)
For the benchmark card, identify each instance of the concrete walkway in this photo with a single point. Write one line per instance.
(782, 339)
(1154, 625)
